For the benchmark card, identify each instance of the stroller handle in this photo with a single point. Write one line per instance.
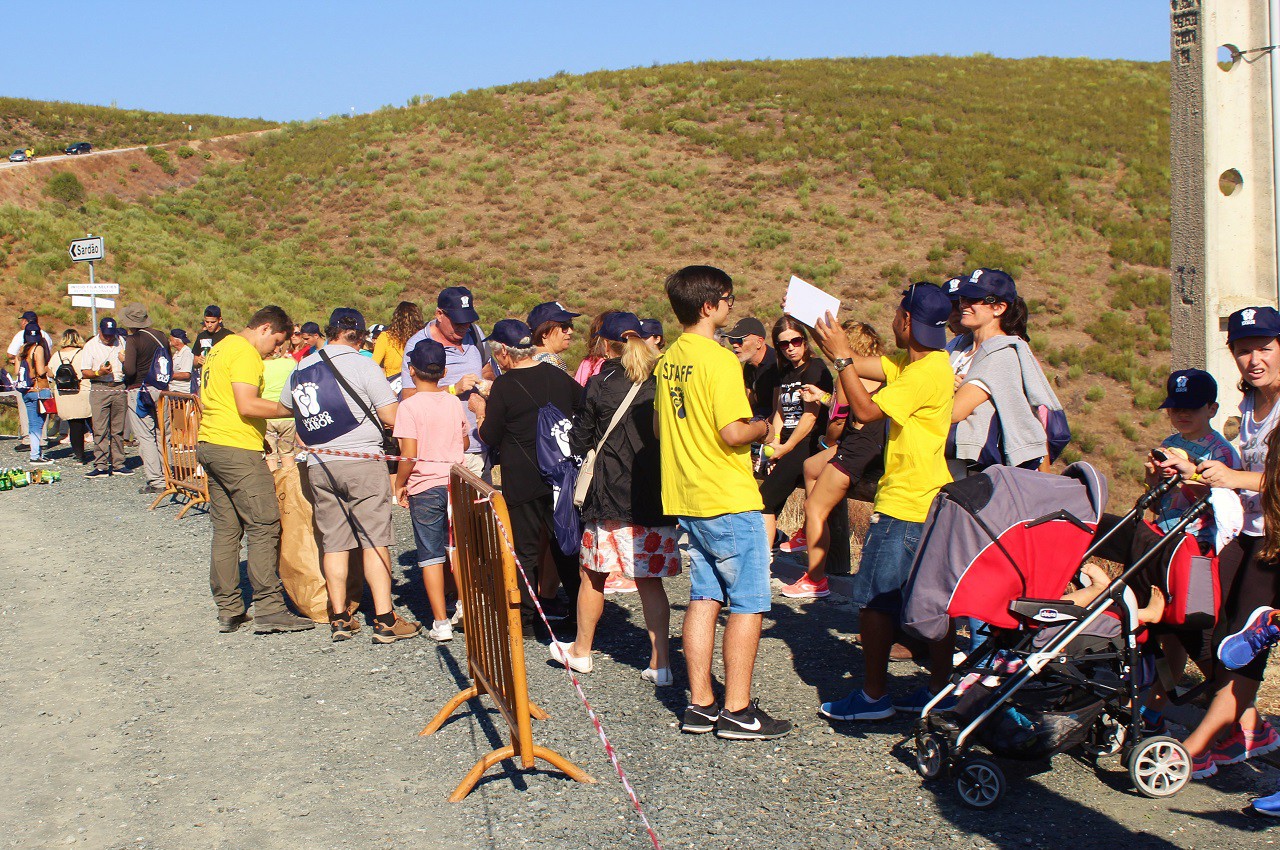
(1153, 494)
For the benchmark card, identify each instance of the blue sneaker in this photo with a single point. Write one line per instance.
(856, 706)
(915, 701)
(1269, 806)
(1259, 632)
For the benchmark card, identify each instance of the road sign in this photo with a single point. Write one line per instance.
(89, 248)
(87, 301)
(93, 289)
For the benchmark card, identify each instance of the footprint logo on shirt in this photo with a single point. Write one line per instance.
(677, 401)
(304, 397)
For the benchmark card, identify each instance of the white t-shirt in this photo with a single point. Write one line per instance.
(15, 347)
(961, 351)
(183, 361)
(97, 352)
(1253, 457)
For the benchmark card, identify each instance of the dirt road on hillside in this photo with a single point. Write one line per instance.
(108, 152)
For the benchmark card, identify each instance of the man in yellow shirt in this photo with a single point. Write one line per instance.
(705, 430)
(242, 494)
(916, 399)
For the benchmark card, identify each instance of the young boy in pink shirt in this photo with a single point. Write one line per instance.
(432, 425)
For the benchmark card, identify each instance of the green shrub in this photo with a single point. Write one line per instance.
(65, 187)
(767, 238)
(185, 152)
(161, 158)
(1094, 393)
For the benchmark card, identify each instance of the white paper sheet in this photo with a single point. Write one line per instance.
(808, 303)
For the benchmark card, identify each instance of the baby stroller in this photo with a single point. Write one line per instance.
(1053, 676)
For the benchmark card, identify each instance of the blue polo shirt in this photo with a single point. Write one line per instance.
(458, 361)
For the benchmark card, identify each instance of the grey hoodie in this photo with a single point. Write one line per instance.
(1011, 373)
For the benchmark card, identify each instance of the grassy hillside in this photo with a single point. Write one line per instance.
(51, 126)
(856, 174)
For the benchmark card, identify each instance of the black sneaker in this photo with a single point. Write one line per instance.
(226, 625)
(41, 461)
(99, 474)
(122, 470)
(751, 724)
(700, 718)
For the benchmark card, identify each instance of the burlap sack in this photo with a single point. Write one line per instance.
(300, 564)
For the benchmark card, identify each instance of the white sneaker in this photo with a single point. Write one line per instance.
(457, 615)
(661, 677)
(560, 654)
(441, 630)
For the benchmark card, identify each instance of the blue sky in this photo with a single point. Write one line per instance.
(293, 60)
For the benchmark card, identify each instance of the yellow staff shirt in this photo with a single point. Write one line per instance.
(232, 361)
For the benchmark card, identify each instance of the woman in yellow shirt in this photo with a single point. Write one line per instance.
(388, 349)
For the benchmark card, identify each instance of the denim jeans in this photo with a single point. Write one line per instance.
(729, 561)
(35, 419)
(429, 512)
(887, 555)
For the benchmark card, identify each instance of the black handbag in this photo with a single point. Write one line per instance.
(390, 445)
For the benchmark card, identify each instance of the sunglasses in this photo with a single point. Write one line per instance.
(793, 342)
(988, 300)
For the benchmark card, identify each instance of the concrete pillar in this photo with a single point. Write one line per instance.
(1223, 247)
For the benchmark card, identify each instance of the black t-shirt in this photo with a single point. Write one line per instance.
(511, 424)
(206, 341)
(792, 405)
(140, 349)
(761, 381)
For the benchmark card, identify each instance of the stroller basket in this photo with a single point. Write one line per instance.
(1034, 726)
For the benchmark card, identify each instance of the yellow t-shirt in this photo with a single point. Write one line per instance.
(700, 390)
(232, 361)
(917, 398)
(388, 355)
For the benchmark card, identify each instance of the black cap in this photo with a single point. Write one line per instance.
(1253, 321)
(108, 327)
(425, 354)
(930, 308)
(511, 332)
(552, 311)
(309, 328)
(213, 311)
(456, 303)
(650, 327)
(347, 318)
(984, 282)
(179, 333)
(616, 326)
(1190, 389)
(746, 327)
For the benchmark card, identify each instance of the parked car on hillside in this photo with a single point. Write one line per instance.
(19, 155)
(79, 147)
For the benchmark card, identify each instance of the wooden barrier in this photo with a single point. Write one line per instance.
(490, 599)
(178, 422)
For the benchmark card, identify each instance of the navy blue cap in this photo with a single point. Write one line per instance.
(31, 334)
(1190, 389)
(309, 328)
(425, 354)
(458, 305)
(179, 333)
(984, 282)
(348, 319)
(952, 288)
(616, 326)
(108, 327)
(650, 327)
(511, 332)
(1253, 321)
(29, 316)
(551, 311)
(930, 308)
(213, 311)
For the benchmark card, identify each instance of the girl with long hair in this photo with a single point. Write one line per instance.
(33, 381)
(388, 348)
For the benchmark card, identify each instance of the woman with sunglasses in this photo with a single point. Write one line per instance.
(797, 424)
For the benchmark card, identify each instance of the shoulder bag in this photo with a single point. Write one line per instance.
(390, 445)
(588, 469)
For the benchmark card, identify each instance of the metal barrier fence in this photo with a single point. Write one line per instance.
(179, 421)
(490, 599)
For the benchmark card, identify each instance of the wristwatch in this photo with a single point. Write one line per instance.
(841, 363)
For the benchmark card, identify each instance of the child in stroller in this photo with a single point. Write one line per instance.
(1058, 673)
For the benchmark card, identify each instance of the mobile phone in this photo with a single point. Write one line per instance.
(1160, 456)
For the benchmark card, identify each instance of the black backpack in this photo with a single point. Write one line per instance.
(65, 377)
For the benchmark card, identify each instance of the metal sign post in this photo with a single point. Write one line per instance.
(93, 301)
(89, 249)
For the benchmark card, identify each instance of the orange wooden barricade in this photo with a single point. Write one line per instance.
(179, 422)
(490, 599)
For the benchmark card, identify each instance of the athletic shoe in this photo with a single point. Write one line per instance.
(806, 588)
(1229, 750)
(1268, 806)
(41, 461)
(798, 543)
(560, 654)
(915, 701)
(661, 677)
(98, 475)
(1202, 767)
(750, 724)
(1259, 633)
(856, 706)
(285, 621)
(456, 619)
(618, 583)
(227, 625)
(1261, 741)
(700, 718)
(343, 628)
(150, 489)
(122, 470)
(400, 629)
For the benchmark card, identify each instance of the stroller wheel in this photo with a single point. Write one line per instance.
(1159, 767)
(980, 783)
(931, 755)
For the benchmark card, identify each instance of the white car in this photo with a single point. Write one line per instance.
(19, 155)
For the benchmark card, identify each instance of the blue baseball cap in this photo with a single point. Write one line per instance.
(1253, 321)
(929, 308)
(213, 311)
(650, 327)
(616, 326)
(309, 328)
(456, 303)
(179, 333)
(29, 316)
(31, 334)
(1190, 389)
(348, 319)
(552, 311)
(108, 327)
(988, 282)
(952, 288)
(425, 354)
(512, 332)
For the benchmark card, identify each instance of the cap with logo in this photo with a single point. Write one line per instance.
(347, 318)
(929, 308)
(616, 326)
(376, 330)
(108, 327)
(31, 334)
(552, 311)
(456, 303)
(425, 354)
(1253, 321)
(1190, 389)
(650, 328)
(511, 332)
(309, 328)
(952, 287)
(213, 311)
(748, 326)
(989, 282)
(179, 333)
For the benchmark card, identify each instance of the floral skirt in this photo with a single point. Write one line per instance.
(637, 551)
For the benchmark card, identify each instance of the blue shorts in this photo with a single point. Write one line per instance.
(428, 510)
(728, 561)
(887, 555)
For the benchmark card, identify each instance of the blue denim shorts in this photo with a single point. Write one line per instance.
(728, 561)
(887, 555)
(428, 510)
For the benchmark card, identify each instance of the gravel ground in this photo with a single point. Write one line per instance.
(128, 721)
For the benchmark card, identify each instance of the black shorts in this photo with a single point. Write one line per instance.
(860, 455)
(1247, 584)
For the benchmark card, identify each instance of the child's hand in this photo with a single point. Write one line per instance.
(402, 497)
